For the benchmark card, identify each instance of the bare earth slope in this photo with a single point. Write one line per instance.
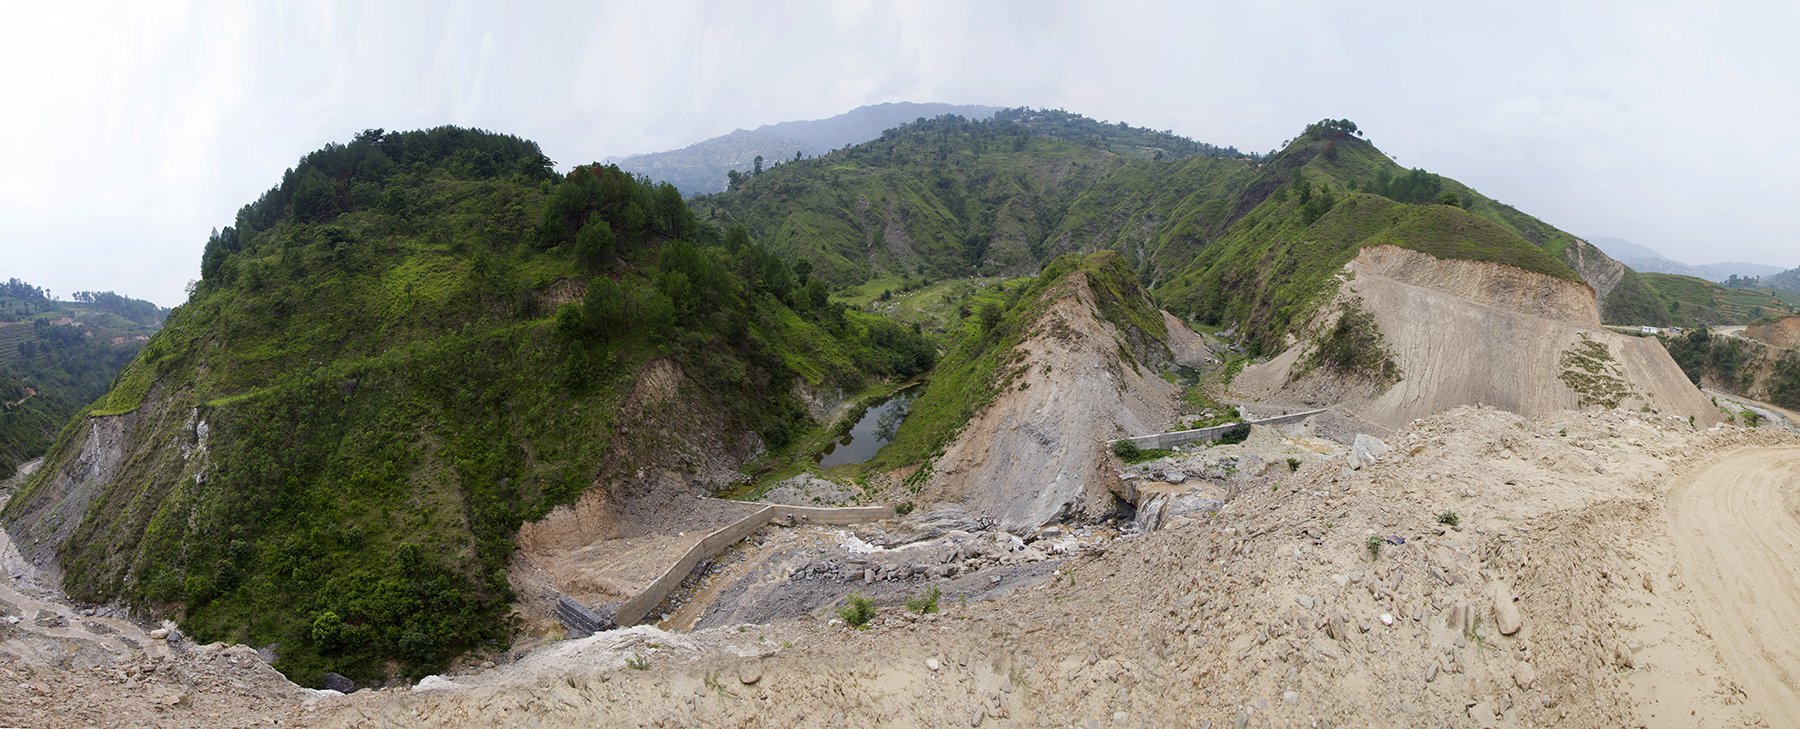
(1784, 333)
(1038, 451)
(1465, 332)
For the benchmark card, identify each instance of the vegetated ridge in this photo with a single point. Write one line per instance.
(415, 343)
(1218, 235)
(708, 166)
(57, 356)
(1696, 302)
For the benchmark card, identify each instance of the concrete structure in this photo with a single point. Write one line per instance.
(634, 610)
(1175, 438)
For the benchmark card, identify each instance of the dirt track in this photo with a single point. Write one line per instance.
(1735, 532)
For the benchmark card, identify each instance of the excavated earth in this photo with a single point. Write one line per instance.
(1468, 333)
(1579, 587)
(1606, 569)
(1783, 333)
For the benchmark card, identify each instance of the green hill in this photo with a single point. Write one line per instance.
(413, 344)
(1696, 302)
(1218, 235)
(58, 356)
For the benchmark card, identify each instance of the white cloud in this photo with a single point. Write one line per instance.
(137, 128)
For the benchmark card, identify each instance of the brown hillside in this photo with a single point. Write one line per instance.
(1038, 452)
(1465, 333)
(1784, 332)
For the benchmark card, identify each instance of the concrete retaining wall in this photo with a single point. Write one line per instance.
(634, 610)
(1175, 438)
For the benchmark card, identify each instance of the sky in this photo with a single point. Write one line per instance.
(131, 130)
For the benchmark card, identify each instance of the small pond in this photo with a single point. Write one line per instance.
(871, 432)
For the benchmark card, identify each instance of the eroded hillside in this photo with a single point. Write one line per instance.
(1409, 335)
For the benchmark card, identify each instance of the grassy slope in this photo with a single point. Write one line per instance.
(1272, 267)
(388, 396)
(1695, 302)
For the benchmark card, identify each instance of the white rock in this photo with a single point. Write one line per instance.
(434, 683)
(1506, 614)
(1387, 619)
(933, 664)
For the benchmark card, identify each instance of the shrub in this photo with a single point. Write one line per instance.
(857, 611)
(1449, 518)
(637, 663)
(1236, 435)
(1125, 449)
(1293, 464)
(925, 603)
(1373, 544)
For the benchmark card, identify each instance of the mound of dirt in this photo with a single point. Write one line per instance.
(1555, 596)
(1784, 332)
(1037, 453)
(1466, 333)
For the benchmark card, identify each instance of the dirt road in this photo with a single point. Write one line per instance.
(1735, 532)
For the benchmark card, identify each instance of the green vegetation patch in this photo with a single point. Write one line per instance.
(1353, 345)
(1591, 372)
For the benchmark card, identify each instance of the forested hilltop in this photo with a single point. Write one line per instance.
(414, 343)
(57, 356)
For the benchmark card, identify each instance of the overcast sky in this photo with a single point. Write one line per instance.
(130, 131)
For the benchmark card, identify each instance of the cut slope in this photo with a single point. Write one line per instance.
(1077, 376)
(1463, 332)
(1783, 332)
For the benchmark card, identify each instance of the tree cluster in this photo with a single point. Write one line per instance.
(342, 177)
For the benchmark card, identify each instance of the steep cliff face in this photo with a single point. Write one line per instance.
(1083, 372)
(1463, 333)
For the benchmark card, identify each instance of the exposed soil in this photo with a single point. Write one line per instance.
(1037, 453)
(1550, 603)
(1784, 333)
(1468, 333)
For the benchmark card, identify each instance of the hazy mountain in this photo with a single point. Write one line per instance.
(1646, 260)
(702, 167)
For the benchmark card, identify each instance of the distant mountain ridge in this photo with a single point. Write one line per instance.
(1646, 260)
(703, 167)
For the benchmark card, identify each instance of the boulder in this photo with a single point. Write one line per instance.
(1506, 613)
(1366, 450)
(337, 682)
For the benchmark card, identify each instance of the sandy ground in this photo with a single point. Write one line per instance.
(1605, 569)
(1560, 598)
(1736, 535)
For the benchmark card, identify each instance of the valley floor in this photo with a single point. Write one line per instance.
(1604, 569)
